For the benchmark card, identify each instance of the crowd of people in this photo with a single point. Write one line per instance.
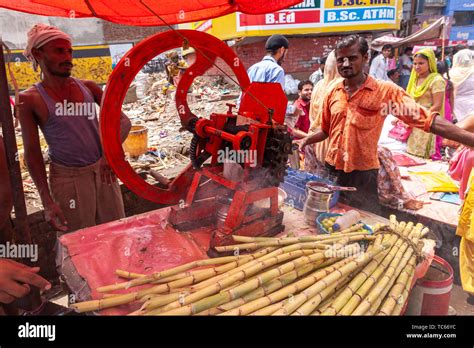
(349, 111)
(339, 122)
(441, 86)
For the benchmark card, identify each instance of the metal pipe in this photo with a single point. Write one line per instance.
(224, 135)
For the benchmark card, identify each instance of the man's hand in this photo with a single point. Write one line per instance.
(301, 143)
(16, 278)
(414, 204)
(55, 217)
(106, 174)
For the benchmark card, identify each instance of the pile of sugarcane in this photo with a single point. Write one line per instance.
(326, 274)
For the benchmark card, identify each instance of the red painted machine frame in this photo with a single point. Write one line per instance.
(263, 104)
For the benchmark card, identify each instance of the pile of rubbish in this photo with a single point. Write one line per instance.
(154, 108)
(148, 105)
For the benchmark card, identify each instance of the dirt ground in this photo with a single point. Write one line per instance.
(168, 145)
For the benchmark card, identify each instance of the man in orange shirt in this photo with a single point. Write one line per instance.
(353, 114)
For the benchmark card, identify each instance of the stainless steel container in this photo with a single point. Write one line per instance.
(223, 205)
(317, 202)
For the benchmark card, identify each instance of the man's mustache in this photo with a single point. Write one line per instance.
(66, 63)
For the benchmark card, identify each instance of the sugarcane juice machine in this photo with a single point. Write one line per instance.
(208, 191)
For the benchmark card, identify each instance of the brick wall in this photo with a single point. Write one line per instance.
(302, 57)
(116, 33)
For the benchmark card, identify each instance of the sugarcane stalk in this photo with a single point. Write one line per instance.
(188, 278)
(172, 271)
(308, 307)
(191, 304)
(245, 288)
(395, 294)
(286, 241)
(361, 277)
(210, 311)
(110, 295)
(128, 275)
(256, 245)
(271, 286)
(393, 222)
(155, 304)
(400, 257)
(269, 310)
(89, 306)
(246, 239)
(408, 262)
(424, 232)
(354, 238)
(404, 296)
(94, 305)
(281, 251)
(302, 297)
(286, 291)
(355, 301)
(289, 248)
(376, 304)
(326, 303)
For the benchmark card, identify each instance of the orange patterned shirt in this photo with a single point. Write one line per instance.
(354, 123)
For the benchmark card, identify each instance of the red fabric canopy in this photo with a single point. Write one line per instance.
(134, 12)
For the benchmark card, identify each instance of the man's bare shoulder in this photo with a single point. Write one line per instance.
(30, 97)
(95, 89)
(92, 85)
(32, 105)
(29, 93)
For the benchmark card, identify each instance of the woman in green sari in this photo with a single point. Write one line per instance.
(427, 87)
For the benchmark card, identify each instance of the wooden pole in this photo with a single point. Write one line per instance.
(22, 229)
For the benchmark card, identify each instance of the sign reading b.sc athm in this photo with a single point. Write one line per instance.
(309, 17)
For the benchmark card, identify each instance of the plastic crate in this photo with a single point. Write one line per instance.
(295, 188)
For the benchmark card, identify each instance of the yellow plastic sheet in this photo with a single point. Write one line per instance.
(437, 181)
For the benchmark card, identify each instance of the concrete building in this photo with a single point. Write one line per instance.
(84, 31)
(462, 14)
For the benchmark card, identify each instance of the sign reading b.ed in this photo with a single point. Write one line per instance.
(303, 15)
(311, 17)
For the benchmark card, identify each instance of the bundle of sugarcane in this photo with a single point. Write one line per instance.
(382, 286)
(281, 276)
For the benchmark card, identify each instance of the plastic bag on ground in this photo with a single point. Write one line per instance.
(291, 85)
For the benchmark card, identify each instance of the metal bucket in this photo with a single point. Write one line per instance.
(317, 202)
